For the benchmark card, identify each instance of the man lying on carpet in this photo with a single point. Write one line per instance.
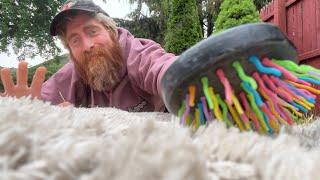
(108, 66)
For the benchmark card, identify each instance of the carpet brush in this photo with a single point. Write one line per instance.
(246, 77)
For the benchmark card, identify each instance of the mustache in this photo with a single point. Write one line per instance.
(95, 52)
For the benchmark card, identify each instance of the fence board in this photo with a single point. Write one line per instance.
(297, 26)
(302, 24)
(308, 25)
(291, 2)
(291, 25)
(318, 23)
(313, 26)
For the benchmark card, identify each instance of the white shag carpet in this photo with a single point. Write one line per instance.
(39, 141)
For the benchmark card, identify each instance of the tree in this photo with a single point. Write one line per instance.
(261, 3)
(25, 25)
(158, 13)
(138, 27)
(208, 11)
(160, 10)
(183, 26)
(236, 12)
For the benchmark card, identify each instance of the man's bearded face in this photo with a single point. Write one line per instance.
(101, 66)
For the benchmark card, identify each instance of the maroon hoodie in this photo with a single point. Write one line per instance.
(138, 90)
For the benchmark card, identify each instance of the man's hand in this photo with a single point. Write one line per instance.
(21, 88)
(65, 104)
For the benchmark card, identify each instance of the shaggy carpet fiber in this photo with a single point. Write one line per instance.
(40, 141)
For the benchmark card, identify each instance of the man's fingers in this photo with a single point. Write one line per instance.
(65, 104)
(38, 79)
(22, 74)
(6, 79)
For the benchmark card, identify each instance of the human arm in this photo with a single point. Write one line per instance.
(146, 63)
(64, 86)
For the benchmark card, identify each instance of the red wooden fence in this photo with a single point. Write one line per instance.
(300, 21)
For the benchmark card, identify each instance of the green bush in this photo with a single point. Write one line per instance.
(236, 12)
(183, 27)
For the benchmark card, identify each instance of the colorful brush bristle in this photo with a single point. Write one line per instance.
(246, 77)
(274, 100)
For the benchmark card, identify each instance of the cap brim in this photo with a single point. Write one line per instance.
(60, 16)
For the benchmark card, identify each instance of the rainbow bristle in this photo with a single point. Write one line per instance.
(276, 95)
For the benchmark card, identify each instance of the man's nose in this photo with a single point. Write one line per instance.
(88, 44)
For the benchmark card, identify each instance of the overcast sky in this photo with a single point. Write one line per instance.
(115, 8)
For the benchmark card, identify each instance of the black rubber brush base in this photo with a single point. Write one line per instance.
(219, 51)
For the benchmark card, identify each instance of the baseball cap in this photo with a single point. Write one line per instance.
(74, 5)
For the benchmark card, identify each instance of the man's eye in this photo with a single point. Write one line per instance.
(93, 31)
(74, 40)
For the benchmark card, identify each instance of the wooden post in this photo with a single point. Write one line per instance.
(280, 18)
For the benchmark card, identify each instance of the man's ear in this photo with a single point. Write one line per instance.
(113, 33)
(71, 56)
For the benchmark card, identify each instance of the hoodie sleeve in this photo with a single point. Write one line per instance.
(147, 62)
(63, 85)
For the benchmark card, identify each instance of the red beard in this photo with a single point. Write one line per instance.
(101, 68)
